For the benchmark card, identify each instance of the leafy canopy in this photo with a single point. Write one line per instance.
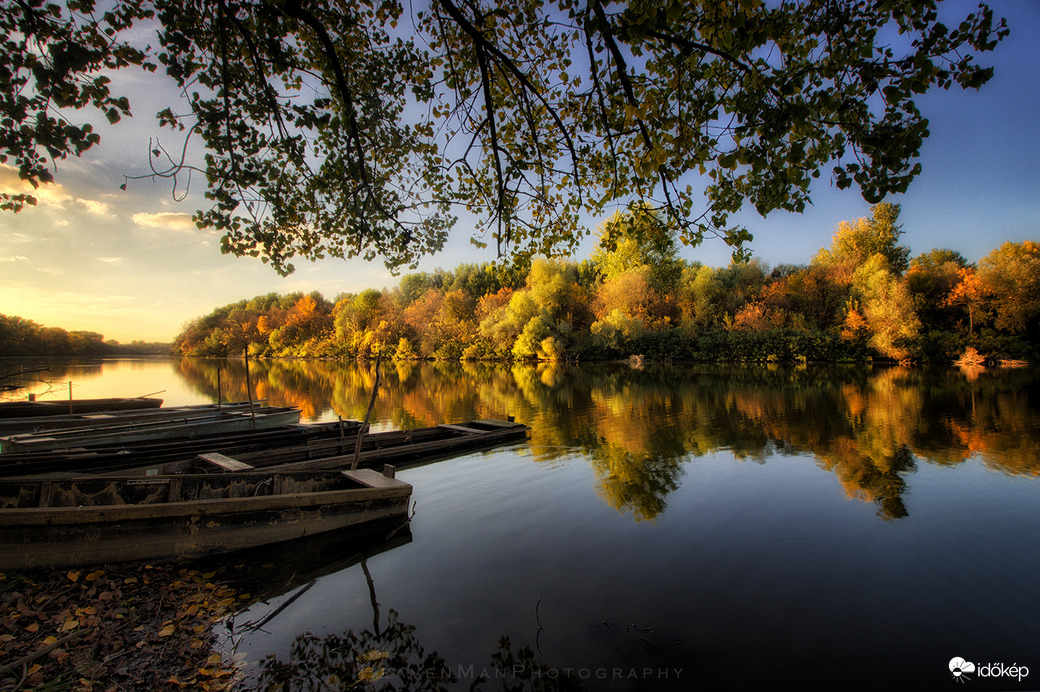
(353, 128)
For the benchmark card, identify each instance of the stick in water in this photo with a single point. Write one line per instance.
(368, 414)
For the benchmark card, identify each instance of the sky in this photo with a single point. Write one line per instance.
(132, 266)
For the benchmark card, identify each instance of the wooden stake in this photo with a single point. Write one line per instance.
(368, 414)
(249, 389)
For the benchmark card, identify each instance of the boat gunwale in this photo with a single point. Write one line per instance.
(391, 488)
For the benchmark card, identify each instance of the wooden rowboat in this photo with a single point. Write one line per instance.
(39, 424)
(399, 448)
(177, 428)
(83, 521)
(317, 445)
(21, 409)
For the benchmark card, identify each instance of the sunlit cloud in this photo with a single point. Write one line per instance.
(109, 260)
(167, 220)
(95, 207)
(49, 194)
(15, 258)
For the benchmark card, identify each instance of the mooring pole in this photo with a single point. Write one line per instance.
(249, 389)
(368, 414)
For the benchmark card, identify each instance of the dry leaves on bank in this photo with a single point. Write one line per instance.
(112, 628)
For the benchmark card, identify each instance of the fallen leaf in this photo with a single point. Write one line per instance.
(94, 575)
(69, 624)
(73, 576)
(33, 627)
(167, 631)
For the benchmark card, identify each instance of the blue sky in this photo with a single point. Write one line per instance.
(131, 265)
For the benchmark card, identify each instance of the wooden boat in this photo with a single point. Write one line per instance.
(398, 448)
(321, 445)
(83, 521)
(39, 424)
(23, 409)
(136, 431)
(157, 452)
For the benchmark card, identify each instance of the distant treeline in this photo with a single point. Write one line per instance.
(863, 297)
(22, 337)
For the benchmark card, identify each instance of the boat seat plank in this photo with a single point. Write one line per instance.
(498, 423)
(460, 428)
(224, 462)
(372, 478)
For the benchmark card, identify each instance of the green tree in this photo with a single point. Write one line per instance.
(329, 129)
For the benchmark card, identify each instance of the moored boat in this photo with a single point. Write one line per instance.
(23, 409)
(83, 521)
(316, 445)
(182, 427)
(38, 424)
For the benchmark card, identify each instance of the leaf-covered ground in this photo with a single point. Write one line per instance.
(113, 628)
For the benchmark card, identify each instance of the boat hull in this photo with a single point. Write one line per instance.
(21, 409)
(226, 513)
(217, 423)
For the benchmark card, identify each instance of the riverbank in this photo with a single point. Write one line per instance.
(140, 626)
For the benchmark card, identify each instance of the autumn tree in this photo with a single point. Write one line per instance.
(932, 278)
(638, 239)
(353, 128)
(855, 243)
(1011, 276)
(887, 308)
(442, 322)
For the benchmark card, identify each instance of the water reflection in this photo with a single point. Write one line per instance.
(639, 428)
(387, 655)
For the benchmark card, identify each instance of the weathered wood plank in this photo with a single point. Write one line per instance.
(223, 462)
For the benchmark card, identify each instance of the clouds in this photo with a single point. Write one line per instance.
(166, 220)
(52, 196)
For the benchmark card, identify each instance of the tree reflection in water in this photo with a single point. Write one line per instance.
(387, 656)
(638, 429)
(392, 658)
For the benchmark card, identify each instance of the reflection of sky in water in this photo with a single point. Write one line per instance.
(751, 568)
(113, 378)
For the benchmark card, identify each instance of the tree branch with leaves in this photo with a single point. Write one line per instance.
(357, 128)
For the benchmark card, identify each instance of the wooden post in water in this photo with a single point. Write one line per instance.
(249, 389)
(368, 414)
(70, 397)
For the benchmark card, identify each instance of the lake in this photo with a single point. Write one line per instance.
(664, 527)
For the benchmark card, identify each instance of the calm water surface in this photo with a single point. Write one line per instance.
(663, 528)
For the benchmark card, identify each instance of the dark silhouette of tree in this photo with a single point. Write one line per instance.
(355, 129)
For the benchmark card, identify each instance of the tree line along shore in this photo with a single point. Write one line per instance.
(861, 298)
